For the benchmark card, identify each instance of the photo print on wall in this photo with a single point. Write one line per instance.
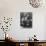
(26, 19)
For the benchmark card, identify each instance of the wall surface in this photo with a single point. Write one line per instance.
(12, 8)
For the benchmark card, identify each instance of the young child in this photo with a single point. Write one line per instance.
(35, 38)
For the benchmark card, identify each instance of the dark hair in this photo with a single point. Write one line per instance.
(34, 35)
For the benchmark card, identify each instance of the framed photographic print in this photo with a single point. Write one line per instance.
(26, 19)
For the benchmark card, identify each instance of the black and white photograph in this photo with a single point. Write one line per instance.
(26, 19)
